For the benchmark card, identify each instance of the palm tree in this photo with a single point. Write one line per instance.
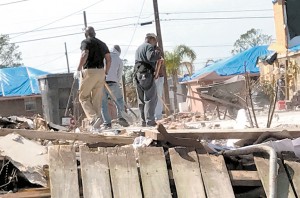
(174, 62)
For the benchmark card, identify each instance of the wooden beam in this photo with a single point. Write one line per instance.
(244, 178)
(85, 137)
(29, 193)
(252, 133)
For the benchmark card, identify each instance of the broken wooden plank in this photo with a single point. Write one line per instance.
(179, 142)
(85, 137)
(238, 178)
(63, 172)
(154, 173)
(244, 178)
(284, 188)
(124, 173)
(215, 176)
(29, 193)
(293, 168)
(186, 173)
(95, 173)
(252, 133)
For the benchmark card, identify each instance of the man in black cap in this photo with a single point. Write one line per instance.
(91, 72)
(145, 59)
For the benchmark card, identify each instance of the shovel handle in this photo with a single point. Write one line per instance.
(115, 100)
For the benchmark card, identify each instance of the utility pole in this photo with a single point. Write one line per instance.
(159, 38)
(84, 18)
(66, 53)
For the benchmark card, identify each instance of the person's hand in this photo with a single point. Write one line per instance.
(76, 74)
(162, 60)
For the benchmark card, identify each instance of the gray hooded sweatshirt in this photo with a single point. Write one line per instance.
(116, 67)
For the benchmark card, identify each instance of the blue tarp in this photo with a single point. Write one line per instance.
(19, 81)
(295, 48)
(236, 64)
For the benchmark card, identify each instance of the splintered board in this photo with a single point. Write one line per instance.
(284, 188)
(63, 172)
(95, 173)
(293, 168)
(124, 173)
(154, 173)
(215, 176)
(186, 173)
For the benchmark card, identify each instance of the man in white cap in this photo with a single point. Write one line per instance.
(145, 60)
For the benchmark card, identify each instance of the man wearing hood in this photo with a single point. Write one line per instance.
(113, 80)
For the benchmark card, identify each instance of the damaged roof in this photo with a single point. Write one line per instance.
(19, 81)
(234, 65)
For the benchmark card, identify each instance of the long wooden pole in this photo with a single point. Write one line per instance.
(160, 43)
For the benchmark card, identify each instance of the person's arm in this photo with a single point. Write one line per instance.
(153, 54)
(108, 62)
(83, 58)
(120, 71)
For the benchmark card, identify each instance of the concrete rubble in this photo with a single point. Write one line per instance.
(28, 156)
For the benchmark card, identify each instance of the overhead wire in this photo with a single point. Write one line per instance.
(216, 11)
(186, 19)
(68, 26)
(134, 29)
(58, 19)
(218, 18)
(14, 2)
(71, 34)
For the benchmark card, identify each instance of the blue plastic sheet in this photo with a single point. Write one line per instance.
(295, 48)
(19, 81)
(235, 65)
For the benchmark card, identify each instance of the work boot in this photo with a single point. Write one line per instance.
(106, 126)
(151, 123)
(143, 124)
(122, 122)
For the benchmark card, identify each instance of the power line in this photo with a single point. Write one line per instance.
(116, 19)
(59, 19)
(134, 29)
(186, 19)
(4, 4)
(218, 18)
(68, 26)
(216, 11)
(71, 34)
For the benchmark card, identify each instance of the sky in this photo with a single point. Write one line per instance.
(41, 28)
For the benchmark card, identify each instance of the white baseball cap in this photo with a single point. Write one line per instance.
(151, 35)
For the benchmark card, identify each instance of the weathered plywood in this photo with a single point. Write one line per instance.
(186, 173)
(244, 178)
(85, 137)
(95, 173)
(251, 133)
(63, 172)
(123, 172)
(284, 188)
(154, 173)
(215, 176)
(293, 168)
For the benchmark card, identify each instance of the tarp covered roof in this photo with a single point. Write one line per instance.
(235, 65)
(19, 81)
(295, 48)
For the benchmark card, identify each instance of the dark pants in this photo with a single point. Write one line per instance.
(147, 97)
